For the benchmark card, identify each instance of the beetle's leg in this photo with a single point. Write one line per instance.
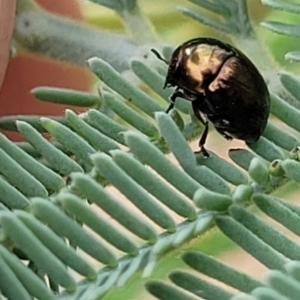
(203, 140)
(205, 132)
(173, 97)
(170, 106)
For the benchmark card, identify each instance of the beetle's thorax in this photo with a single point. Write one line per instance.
(195, 67)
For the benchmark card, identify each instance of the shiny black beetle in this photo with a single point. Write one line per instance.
(223, 86)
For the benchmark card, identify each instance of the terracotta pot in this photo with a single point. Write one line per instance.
(7, 15)
(25, 72)
(69, 8)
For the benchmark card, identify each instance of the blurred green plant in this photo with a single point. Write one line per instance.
(49, 189)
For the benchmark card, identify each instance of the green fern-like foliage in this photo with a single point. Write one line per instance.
(56, 208)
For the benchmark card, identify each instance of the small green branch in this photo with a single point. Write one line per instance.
(60, 38)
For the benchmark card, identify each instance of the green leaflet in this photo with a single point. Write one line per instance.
(65, 96)
(58, 160)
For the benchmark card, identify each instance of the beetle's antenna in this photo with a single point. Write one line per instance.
(159, 56)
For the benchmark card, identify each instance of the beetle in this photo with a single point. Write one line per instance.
(223, 86)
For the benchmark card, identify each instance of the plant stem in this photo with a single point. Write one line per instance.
(60, 38)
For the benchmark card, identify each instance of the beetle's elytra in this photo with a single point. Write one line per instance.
(223, 86)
